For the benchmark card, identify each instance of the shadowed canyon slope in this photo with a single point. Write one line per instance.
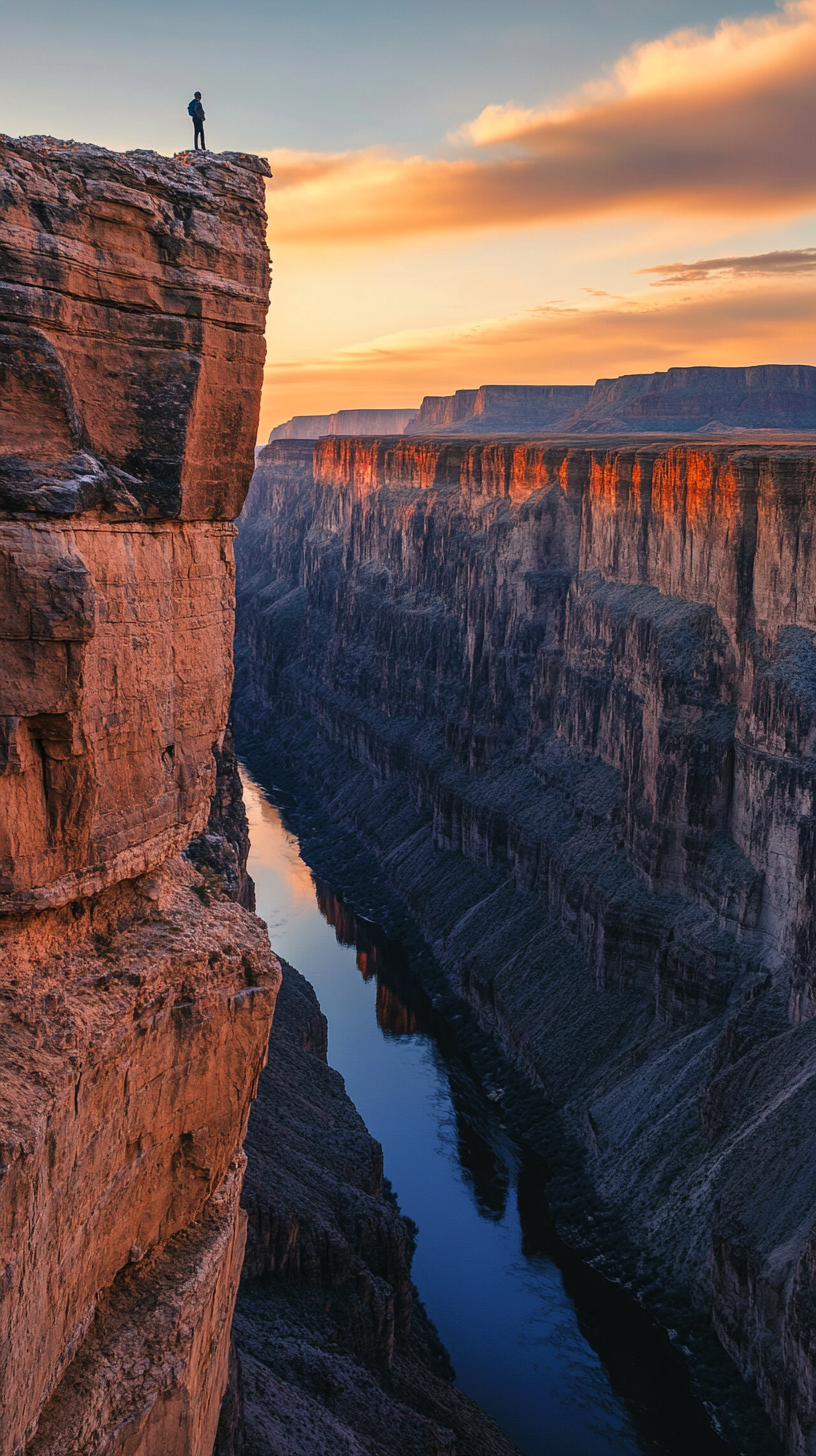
(565, 693)
(135, 1007)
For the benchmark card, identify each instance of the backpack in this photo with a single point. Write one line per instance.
(192, 109)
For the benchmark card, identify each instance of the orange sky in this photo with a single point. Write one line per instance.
(554, 244)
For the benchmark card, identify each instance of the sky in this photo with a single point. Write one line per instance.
(463, 194)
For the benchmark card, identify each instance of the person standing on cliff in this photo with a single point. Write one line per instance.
(196, 111)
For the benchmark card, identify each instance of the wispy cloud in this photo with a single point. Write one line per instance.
(557, 345)
(719, 122)
(782, 262)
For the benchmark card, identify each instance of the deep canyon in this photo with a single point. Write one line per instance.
(562, 695)
(137, 988)
(543, 708)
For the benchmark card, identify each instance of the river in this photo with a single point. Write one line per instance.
(564, 1362)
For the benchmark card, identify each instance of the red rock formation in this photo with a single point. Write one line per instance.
(566, 695)
(109, 720)
(166, 1323)
(136, 1007)
(116, 1133)
(132, 305)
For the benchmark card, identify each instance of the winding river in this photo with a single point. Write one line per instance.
(566, 1364)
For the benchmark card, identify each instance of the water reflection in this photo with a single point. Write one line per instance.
(404, 1008)
(568, 1364)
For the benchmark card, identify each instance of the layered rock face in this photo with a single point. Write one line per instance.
(132, 301)
(698, 399)
(566, 696)
(344, 422)
(136, 1005)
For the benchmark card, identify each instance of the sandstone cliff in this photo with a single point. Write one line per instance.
(135, 1004)
(566, 696)
(699, 399)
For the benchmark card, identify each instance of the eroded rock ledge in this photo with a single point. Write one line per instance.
(135, 1006)
(565, 693)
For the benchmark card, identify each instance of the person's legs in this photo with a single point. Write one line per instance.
(198, 131)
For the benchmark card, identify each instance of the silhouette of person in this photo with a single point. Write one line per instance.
(196, 111)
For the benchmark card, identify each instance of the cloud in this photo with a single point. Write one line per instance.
(551, 345)
(783, 262)
(699, 122)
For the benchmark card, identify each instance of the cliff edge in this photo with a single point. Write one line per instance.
(135, 1006)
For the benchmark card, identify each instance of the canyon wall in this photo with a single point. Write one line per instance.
(136, 1000)
(698, 399)
(344, 422)
(565, 694)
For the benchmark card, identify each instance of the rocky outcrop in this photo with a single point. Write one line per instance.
(344, 422)
(132, 308)
(335, 1352)
(133, 296)
(118, 1139)
(135, 999)
(165, 1322)
(565, 695)
(701, 399)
